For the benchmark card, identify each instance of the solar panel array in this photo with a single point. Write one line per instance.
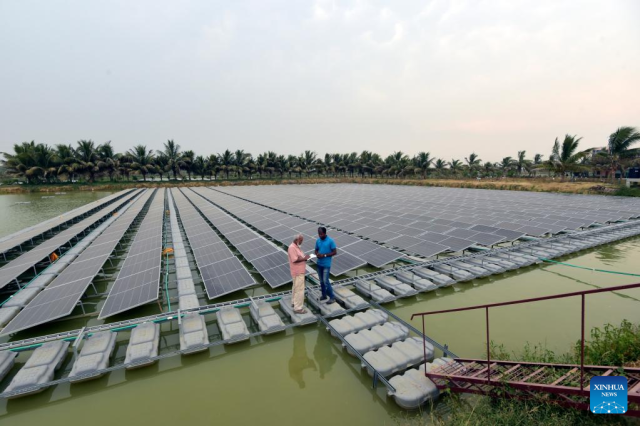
(428, 220)
(21, 237)
(139, 277)
(268, 259)
(27, 260)
(64, 292)
(221, 271)
(352, 253)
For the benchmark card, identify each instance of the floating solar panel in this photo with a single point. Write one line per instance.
(461, 233)
(456, 244)
(427, 249)
(210, 250)
(138, 280)
(64, 292)
(28, 260)
(508, 234)
(486, 239)
(268, 259)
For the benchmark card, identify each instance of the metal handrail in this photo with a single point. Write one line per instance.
(486, 307)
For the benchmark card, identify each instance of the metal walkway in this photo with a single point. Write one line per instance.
(566, 384)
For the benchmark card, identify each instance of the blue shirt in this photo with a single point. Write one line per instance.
(325, 246)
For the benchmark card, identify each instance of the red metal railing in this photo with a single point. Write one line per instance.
(486, 307)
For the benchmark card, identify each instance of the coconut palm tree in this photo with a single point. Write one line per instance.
(565, 157)
(227, 162)
(506, 165)
(186, 162)
(619, 148)
(521, 162)
(87, 159)
(142, 160)
(161, 161)
(455, 166)
(107, 159)
(473, 162)
(440, 165)
(423, 162)
(212, 166)
(172, 151)
(489, 168)
(65, 159)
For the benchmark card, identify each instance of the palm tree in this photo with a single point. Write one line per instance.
(161, 162)
(87, 159)
(488, 168)
(240, 162)
(212, 166)
(187, 160)
(172, 151)
(521, 162)
(227, 161)
(65, 160)
(440, 165)
(506, 165)
(307, 161)
(142, 160)
(473, 161)
(423, 161)
(619, 148)
(564, 157)
(107, 159)
(198, 166)
(455, 166)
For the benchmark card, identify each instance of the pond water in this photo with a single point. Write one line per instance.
(303, 376)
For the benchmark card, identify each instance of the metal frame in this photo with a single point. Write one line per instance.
(446, 377)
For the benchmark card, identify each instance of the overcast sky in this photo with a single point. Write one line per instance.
(449, 77)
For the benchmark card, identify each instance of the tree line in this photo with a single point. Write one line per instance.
(41, 163)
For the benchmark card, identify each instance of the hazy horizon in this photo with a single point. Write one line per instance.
(448, 77)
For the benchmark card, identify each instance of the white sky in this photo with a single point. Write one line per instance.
(449, 77)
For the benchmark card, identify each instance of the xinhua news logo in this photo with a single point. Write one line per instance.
(608, 395)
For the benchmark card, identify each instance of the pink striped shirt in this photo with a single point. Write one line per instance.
(294, 254)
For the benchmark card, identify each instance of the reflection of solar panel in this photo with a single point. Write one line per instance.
(139, 277)
(64, 292)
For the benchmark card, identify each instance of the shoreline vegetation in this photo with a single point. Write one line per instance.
(539, 184)
(610, 346)
(34, 163)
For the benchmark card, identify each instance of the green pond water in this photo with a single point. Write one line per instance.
(303, 376)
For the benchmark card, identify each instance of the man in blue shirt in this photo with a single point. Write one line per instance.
(325, 250)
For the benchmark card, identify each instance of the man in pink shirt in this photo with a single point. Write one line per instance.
(298, 266)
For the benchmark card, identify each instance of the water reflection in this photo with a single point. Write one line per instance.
(299, 360)
(610, 254)
(323, 354)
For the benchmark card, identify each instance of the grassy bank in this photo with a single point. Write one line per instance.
(611, 345)
(511, 184)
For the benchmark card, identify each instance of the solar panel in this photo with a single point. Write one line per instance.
(456, 244)
(508, 234)
(428, 249)
(533, 230)
(210, 251)
(138, 279)
(486, 239)
(461, 233)
(16, 239)
(28, 260)
(344, 262)
(64, 292)
(267, 258)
